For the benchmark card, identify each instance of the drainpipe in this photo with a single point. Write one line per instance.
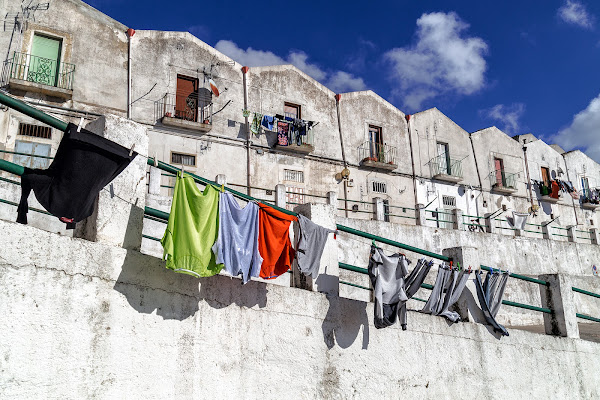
(338, 97)
(572, 199)
(130, 33)
(244, 72)
(412, 159)
(478, 175)
(527, 170)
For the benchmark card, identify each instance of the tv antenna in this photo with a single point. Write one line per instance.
(20, 19)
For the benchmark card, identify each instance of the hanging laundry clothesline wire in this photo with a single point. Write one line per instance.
(58, 124)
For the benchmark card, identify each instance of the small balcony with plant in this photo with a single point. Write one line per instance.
(187, 112)
(377, 155)
(41, 75)
(445, 168)
(546, 193)
(503, 182)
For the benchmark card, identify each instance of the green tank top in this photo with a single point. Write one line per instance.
(192, 229)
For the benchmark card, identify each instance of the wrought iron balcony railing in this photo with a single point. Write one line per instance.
(503, 179)
(375, 152)
(187, 108)
(444, 165)
(41, 70)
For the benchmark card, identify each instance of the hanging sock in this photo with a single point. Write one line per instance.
(237, 242)
(274, 241)
(490, 294)
(312, 242)
(192, 229)
(84, 164)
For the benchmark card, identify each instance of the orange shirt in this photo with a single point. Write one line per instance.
(555, 189)
(274, 242)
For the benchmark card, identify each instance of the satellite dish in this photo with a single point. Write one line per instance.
(213, 87)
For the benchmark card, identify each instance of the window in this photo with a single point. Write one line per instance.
(546, 176)
(38, 149)
(443, 158)
(186, 98)
(449, 201)
(43, 132)
(376, 151)
(293, 175)
(291, 110)
(183, 159)
(499, 170)
(378, 187)
(44, 60)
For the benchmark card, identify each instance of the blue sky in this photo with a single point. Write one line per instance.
(525, 66)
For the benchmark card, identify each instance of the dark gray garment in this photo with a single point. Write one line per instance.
(312, 242)
(453, 294)
(387, 277)
(490, 297)
(412, 284)
(435, 298)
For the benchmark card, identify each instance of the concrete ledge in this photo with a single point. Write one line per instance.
(378, 165)
(40, 88)
(590, 206)
(504, 190)
(182, 123)
(448, 178)
(294, 148)
(549, 199)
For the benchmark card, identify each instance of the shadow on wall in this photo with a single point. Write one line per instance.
(148, 286)
(343, 327)
(468, 302)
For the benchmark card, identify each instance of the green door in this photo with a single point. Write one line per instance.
(44, 60)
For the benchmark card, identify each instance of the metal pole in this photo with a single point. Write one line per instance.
(338, 97)
(528, 178)
(244, 71)
(32, 112)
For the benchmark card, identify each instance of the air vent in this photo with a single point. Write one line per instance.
(185, 159)
(43, 132)
(379, 187)
(449, 201)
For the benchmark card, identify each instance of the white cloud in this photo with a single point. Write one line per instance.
(584, 131)
(442, 60)
(573, 12)
(342, 81)
(338, 81)
(508, 115)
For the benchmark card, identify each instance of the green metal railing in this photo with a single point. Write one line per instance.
(501, 179)
(587, 293)
(523, 278)
(445, 165)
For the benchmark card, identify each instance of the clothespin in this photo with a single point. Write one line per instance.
(222, 188)
(458, 265)
(373, 243)
(335, 234)
(450, 262)
(131, 149)
(80, 125)
(155, 160)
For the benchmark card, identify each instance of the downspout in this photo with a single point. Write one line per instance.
(412, 159)
(528, 177)
(478, 175)
(130, 33)
(338, 97)
(244, 72)
(572, 199)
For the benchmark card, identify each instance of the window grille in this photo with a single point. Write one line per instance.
(38, 131)
(293, 195)
(379, 187)
(184, 159)
(449, 201)
(293, 175)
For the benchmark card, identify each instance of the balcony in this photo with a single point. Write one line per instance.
(589, 200)
(297, 143)
(377, 156)
(41, 75)
(503, 182)
(187, 112)
(545, 192)
(444, 168)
